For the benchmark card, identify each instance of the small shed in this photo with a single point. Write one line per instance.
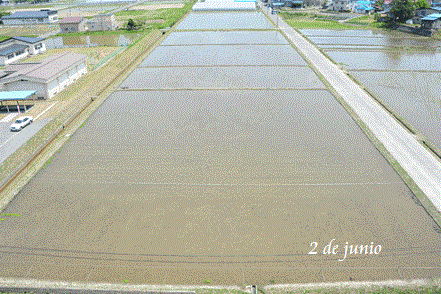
(7, 99)
(432, 21)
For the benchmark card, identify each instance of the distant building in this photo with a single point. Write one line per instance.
(102, 22)
(48, 77)
(16, 48)
(73, 24)
(341, 5)
(432, 21)
(43, 16)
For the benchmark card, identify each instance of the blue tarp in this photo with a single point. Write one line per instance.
(16, 95)
(433, 16)
(363, 5)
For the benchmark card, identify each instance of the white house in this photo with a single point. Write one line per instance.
(49, 76)
(43, 16)
(16, 48)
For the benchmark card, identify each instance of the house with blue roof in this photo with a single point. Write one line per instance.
(363, 6)
(423, 12)
(17, 48)
(44, 16)
(432, 21)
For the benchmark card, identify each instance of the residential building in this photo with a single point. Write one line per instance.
(422, 12)
(73, 24)
(49, 76)
(43, 16)
(16, 48)
(341, 5)
(102, 22)
(431, 21)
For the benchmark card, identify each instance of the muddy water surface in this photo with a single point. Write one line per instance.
(215, 55)
(234, 37)
(232, 186)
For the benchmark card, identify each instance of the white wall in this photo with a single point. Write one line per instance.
(34, 51)
(6, 61)
(65, 79)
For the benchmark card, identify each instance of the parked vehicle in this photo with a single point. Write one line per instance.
(21, 122)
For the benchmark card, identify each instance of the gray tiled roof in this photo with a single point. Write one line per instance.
(30, 40)
(29, 14)
(50, 67)
(11, 49)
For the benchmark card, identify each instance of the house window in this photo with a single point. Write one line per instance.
(10, 56)
(38, 46)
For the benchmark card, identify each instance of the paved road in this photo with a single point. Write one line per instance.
(11, 141)
(419, 163)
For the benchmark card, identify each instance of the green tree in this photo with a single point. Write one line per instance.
(402, 10)
(421, 4)
(131, 25)
(379, 3)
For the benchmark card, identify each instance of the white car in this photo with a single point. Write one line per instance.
(21, 122)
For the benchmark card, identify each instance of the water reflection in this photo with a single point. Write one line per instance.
(401, 69)
(91, 41)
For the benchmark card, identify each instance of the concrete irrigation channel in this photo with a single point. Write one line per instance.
(219, 163)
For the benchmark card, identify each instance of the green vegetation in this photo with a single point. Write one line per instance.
(421, 4)
(368, 20)
(153, 19)
(3, 14)
(10, 214)
(312, 21)
(131, 25)
(2, 38)
(403, 10)
(316, 21)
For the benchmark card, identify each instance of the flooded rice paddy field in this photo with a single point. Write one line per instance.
(234, 37)
(215, 55)
(228, 185)
(403, 72)
(225, 21)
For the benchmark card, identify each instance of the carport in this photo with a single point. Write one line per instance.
(16, 96)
